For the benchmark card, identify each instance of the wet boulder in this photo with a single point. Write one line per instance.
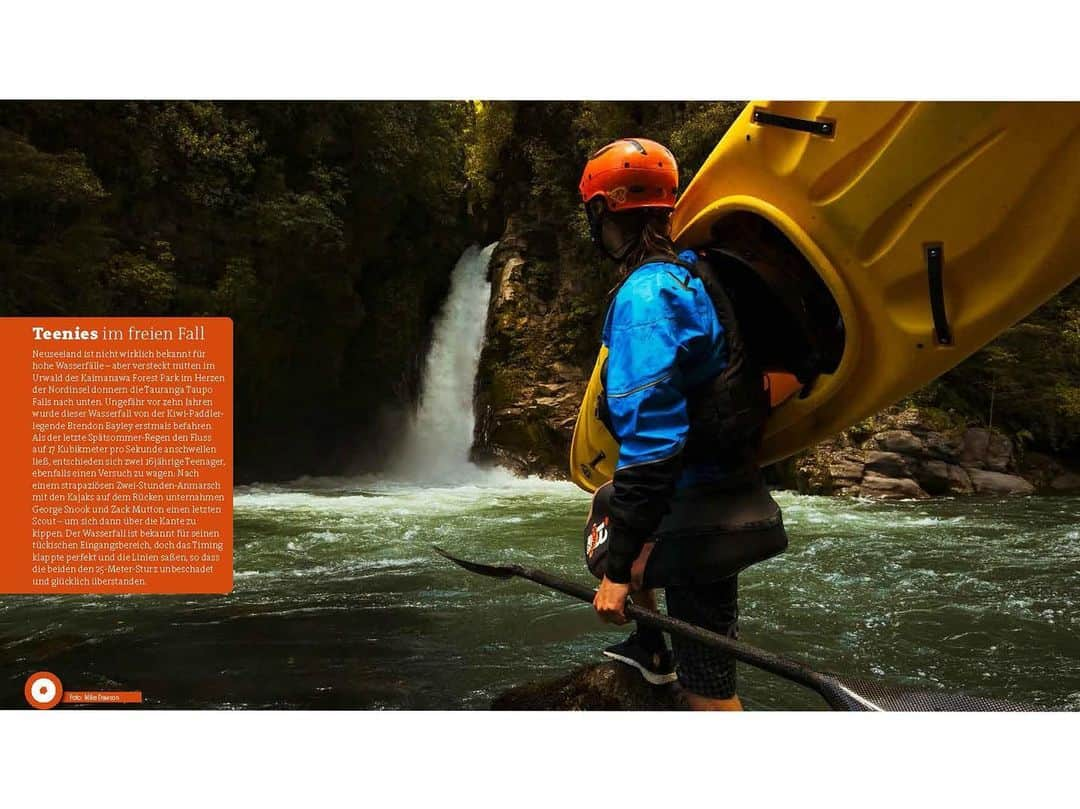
(846, 472)
(1069, 482)
(987, 450)
(933, 476)
(959, 480)
(889, 464)
(902, 441)
(944, 446)
(890, 488)
(987, 482)
(1048, 473)
(940, 478)
(598, 687)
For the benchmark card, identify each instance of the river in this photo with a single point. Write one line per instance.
(340, 602)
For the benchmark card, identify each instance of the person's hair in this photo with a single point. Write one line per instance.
(653, 239)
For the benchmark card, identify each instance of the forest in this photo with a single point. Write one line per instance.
(328, 230)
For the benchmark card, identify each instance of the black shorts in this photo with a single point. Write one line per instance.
(708, 535)
(688, 567)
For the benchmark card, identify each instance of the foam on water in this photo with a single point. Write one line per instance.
(371, 495)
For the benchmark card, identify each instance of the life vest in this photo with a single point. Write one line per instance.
(727, 413)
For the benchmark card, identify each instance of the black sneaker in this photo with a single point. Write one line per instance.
(657, 668)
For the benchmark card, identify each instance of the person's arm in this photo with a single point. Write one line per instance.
(642, 498)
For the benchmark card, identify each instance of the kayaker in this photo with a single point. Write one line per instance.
(688, 507)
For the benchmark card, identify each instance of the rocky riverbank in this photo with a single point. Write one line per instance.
(919, 453)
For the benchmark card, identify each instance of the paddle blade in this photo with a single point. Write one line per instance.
(851, 694)
(495, 571)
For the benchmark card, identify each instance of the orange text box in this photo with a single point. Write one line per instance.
(118, 443)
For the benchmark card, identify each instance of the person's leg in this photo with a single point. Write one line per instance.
(646, 599)
(650, 638)
(706, 674)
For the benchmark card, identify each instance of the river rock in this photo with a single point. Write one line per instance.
(944, 446)
(959, 480)
(916, 453)
(940, 478)
(986, 482)
(1069, 482)
(901, 441)
(987, 450)
(1040, 469)
(890, 488)
(846, 472)
(599, 687)
(933, 476)
(889, 464)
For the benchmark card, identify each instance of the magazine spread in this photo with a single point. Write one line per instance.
(273, 368)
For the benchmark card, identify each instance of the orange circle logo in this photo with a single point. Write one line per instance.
(43, 690)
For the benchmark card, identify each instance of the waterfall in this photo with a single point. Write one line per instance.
(436, 447)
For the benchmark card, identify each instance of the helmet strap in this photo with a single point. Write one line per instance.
(620, 253)
(596, 221)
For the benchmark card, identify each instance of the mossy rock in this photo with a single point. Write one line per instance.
(505, 386)
(528, 436)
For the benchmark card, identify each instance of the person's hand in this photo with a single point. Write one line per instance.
(610, 601)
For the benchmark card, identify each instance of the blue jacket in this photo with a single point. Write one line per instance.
(663, 338)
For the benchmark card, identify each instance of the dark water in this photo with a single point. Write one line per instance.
(340, 603)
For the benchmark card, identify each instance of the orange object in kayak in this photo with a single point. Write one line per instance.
(781, 386)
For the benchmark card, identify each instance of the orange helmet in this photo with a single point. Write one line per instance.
(631, 173)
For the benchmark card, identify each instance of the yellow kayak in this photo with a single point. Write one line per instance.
(907, 235)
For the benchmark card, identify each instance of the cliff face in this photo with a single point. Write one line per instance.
(544, 320)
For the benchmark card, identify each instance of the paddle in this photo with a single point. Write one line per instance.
(841, 693)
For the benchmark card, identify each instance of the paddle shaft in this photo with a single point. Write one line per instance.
(751, 656)
(841, 695)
